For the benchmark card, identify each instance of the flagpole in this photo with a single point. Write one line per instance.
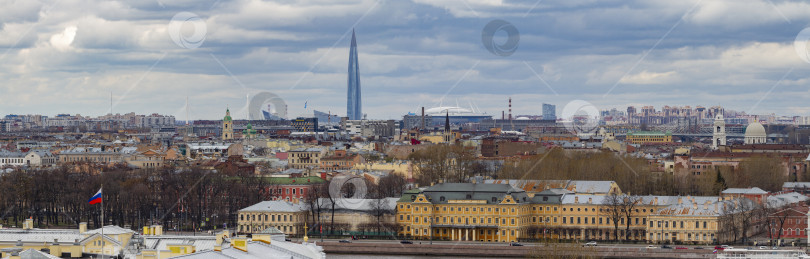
(102, 220)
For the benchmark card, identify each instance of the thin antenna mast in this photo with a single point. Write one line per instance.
(187, 119)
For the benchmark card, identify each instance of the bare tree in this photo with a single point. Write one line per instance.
(380, 207)
(613, 204)
(628, 207)
(312, 198)
(749, 215)
(729, 227)
(778, 218)
(453, 163)
(391, 185)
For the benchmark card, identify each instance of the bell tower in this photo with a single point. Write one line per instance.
(227, 126)
(719, 136)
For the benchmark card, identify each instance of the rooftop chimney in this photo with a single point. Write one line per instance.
(240, 243)
(28, 224)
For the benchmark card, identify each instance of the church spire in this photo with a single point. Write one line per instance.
(447, 122)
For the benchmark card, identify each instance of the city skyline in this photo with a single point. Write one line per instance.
(417, 53)
(484, 128)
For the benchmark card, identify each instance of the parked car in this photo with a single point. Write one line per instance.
(666, 247)
(345, 241)
(681, 247)
(515, 244)
(651, 247)
(406, 242)
(592, 243)
(763, 248)
(698, 247)
(720, 248)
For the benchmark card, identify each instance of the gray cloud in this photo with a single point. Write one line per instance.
(726, 53)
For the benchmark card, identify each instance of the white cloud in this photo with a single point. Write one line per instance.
(650, 78)
(741, 14)
(63, 40)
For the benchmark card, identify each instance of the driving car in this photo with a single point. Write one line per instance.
(406, 242)
(681, 247)
(515, 244)
(666, 247)
(344, 241)
(592, 243)
(651, 247)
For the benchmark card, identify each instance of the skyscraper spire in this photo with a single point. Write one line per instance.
(353, 101)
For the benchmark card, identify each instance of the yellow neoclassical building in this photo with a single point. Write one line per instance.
(463, 211)
(503, 213)
(283, 215)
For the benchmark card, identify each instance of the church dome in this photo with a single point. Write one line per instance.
(227, 115)
(755, 134)
(755, 130)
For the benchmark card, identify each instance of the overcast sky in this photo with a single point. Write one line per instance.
(67, 56)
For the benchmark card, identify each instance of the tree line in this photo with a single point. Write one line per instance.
(185, 199)
(634, 174)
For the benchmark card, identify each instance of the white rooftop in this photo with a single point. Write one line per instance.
(275, 206)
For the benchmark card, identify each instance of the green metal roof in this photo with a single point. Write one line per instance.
(294, 180)
(491, 193)
(649, 133)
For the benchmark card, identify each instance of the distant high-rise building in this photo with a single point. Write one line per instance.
(549, 112)
(354, 103)
(302, 124)
(326, 118)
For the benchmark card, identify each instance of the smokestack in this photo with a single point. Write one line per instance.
(510, 108)
(423, 118)
(503, 115)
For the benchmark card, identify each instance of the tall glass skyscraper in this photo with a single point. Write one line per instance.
(354, 108)
(549, 112)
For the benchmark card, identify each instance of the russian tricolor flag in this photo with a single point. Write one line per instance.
(96, 198)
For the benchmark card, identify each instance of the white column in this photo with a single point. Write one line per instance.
(453, 234)
(467, 235)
